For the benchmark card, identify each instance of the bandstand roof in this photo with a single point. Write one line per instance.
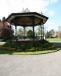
(27, 19)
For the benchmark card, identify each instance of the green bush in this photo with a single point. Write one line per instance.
(37, 46)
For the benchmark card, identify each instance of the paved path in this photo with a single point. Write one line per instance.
(31, 65)
(57, 44)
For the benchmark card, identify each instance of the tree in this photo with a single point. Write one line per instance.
(40, 30)
(7, 33)
(30, 34)
(20, 32)
(50, 33)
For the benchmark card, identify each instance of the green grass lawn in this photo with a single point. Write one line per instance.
(11, 52)
(54, 39)
(35, 53)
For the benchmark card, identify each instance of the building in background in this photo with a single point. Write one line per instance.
(58, 34)
(3, 25)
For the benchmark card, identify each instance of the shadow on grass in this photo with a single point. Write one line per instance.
(3, 51)
(9, 48)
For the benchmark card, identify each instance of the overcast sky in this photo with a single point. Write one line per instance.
(50, 8)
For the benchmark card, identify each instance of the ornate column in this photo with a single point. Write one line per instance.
(16, 32)
(24, 32)
(33, 23)
(42, 32)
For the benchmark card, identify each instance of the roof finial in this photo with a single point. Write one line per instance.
(41, 12)
(25, 10)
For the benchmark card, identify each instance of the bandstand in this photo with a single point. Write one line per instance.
(28, 19)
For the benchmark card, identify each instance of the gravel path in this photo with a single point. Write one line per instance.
(31, 65)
